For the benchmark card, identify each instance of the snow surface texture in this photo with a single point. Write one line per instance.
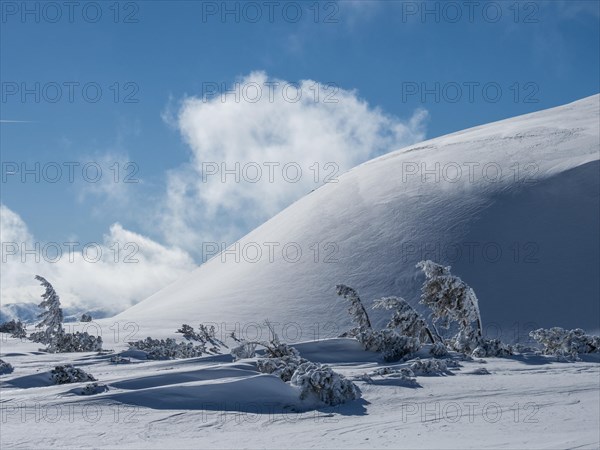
(514, 210)
(528, 401)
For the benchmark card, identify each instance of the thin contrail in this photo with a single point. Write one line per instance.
(16, 121)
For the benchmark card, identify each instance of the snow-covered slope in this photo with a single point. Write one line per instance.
(513, 206)
(527, 401)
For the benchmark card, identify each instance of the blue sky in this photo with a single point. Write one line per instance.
(157, 54)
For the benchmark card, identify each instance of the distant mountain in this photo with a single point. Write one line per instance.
(28, 312)
(25, 312)
(513, 206)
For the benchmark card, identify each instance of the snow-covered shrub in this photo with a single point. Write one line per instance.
(244, 350)
(116, 359)
(492, 348)
(320, 382)
(94, 388)
(438, 350)
(280, 359)
(566, 343)
(205, 335)
(86, 318)
(405, 320)
(429, 367)
(274, 348)
(15, 328)
(356, 310)
(523, 348)
(283, 367)
(479, 371)
(188, 332)
(390, 343)
(68, 374)
(451, 300)
(167, 348)
(5, 367)
(403, 374)
(75, 342)
(277, 349)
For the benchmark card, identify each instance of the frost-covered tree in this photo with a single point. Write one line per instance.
(392, 345)
(406, 320)
(15, 328)
(451, 300)
(356, 309)
(566, 343)
(86, 318)
(54, 336)
(52, 316)
(391, 341)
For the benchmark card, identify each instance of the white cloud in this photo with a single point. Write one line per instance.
(265, 125)
(110, 283)
(324, 126)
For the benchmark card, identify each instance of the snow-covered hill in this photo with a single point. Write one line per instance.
(513, 206)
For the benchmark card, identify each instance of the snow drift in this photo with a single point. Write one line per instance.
(512, 206)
